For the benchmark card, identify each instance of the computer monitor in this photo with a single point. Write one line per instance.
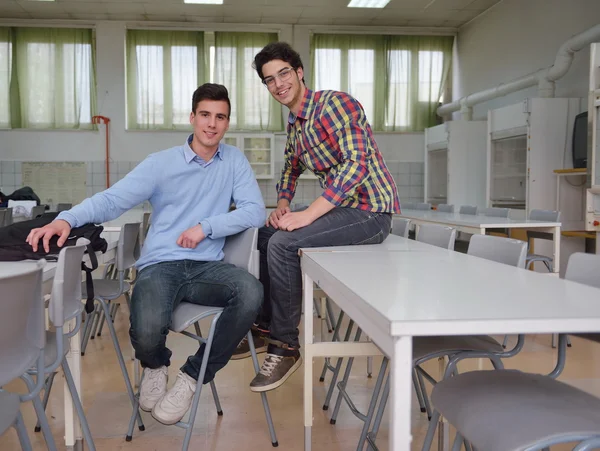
(580, 135)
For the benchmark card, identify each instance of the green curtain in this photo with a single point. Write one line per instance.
(397, 79)
(5, 75)
(164, 68)
(52, 80)
(253, 108)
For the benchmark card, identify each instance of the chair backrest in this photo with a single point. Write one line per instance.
(64, 206)
(499, 249)
(408, 206)
(8, 219)
(496, 212)
(445, 208)
(145, 225)
(38, 210)
(584, 268)
(241, 250)
(400, 227)
(22, 334)
(65, 299)
(437, 235)
(423, 206)
(542, 215)
(468, 210)
(128, 247)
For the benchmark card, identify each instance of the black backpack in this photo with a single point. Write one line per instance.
(13, 246)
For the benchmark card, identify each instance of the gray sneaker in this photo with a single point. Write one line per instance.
(243, 349)
(278, 366)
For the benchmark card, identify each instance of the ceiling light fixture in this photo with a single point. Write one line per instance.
(368, 3)
(204, 2)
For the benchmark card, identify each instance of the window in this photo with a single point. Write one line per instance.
(399, 80)
(165, 68)
(46, 78)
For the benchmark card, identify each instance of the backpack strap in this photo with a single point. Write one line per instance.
(89, 281)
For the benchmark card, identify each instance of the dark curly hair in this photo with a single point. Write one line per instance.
(277, 51)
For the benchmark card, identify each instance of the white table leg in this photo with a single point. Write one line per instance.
(308, 362)
(556, 256)
(401, 394)
(73, 435)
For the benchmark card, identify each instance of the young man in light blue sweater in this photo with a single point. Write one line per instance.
(191, 188)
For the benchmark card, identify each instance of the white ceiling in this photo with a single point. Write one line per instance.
(417, 13)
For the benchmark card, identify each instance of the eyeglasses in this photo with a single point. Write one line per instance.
(283, 75)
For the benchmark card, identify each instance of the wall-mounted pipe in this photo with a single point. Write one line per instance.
(544, 78)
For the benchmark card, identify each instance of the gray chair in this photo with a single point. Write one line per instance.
(496, 212)
(6, 217)
(527, 411)
(22, 339)
(445, 208)
(65, 305)
(106, 290)
(38, 210)
(437, 235)
(240, 250)
(498, 249)
(145, 226)
(542, 215)
(63, 207)
(425, 206)
(468, 210)
(400, 227)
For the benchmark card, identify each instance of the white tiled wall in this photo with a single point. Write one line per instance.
(408, 177)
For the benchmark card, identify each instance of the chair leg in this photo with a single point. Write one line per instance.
(47, 389)
(418, 391)
(115, 341)
(41, 414)
(424, 395)
(370, 366)
(458, 442)
(329, 316)
(336, 335)
(263, 395)
(431, 430)
(102, 319)
(338, 366)
(372, 436)
(22, 433)
(213, 389)
(87, 330)
(344, 381)
(505, 342)
(95, 324)
(85, 427)
(372, 405)
(189, 426)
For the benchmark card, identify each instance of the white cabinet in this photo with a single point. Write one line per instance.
(455, 160)
(258, 149)
(526, 143)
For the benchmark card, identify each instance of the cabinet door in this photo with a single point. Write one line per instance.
(509, 172)
(259, 151)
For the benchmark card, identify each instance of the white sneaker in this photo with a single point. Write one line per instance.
(176, 402)
(154, 387)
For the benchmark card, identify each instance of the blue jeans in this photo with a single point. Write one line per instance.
(161, 287)
(280, 271)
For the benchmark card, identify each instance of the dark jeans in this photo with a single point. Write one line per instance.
(280, 271)
(161, 287)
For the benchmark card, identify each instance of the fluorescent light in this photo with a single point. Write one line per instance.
(367, 3)
(42, 0)
(204, 2)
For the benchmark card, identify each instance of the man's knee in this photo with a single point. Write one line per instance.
(250, 294)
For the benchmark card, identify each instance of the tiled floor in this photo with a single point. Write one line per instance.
(243, 426)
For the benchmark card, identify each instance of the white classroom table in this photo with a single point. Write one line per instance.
(478, 224)
(394, 295)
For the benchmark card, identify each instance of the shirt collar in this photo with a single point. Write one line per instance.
(189, 154)
(305, 106)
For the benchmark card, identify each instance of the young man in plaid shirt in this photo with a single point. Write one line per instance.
(327, 133)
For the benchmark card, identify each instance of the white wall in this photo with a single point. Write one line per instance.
(404, 152)
(518, 37)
